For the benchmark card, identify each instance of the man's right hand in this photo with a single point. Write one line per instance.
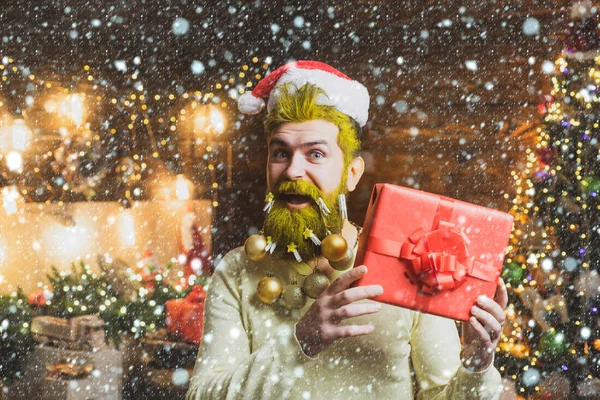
(320, 326)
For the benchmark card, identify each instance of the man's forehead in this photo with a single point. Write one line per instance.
(309, 132)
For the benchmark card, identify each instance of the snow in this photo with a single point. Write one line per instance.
(181, 26)
(531, 27)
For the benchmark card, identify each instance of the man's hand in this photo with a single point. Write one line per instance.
(320, 326)
(482, 332)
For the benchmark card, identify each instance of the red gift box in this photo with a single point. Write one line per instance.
(185, 316)
(431, 253)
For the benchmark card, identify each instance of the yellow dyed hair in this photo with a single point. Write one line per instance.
(300, 105)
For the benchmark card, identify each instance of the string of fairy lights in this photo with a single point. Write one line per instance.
(73, 116)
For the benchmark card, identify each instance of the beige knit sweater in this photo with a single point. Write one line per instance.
(249, 350)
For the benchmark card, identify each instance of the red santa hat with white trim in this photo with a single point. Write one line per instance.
(344, 94)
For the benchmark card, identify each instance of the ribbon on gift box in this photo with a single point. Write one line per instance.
(439, 259)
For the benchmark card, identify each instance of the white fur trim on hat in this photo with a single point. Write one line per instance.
(347, 96)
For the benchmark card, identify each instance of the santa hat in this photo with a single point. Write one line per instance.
(344, 94)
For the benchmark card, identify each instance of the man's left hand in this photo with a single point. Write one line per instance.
(481, 333)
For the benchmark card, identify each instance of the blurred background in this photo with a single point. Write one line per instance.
(120, 141)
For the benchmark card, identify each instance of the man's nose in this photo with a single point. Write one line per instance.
(296, 168)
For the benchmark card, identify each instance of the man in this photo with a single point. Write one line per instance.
(341, 345)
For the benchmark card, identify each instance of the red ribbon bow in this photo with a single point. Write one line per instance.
(439, 259)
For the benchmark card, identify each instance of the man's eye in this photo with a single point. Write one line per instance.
(279, 154)
(316, 154)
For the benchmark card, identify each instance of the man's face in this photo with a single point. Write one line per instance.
(305, 151)
(305, 164)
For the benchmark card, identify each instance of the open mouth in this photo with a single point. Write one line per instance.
(295, 199)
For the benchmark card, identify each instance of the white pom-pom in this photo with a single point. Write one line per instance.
(248, 104)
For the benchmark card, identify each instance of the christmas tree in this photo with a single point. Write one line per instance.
(551, 341)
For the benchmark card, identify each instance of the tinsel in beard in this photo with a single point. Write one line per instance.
(286, 226)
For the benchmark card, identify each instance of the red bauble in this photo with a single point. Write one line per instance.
(545, 104)
(546, 155)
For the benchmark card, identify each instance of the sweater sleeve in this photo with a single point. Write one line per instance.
(439, 371)
(226, 368)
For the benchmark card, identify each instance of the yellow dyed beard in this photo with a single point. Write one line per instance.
(287, 226)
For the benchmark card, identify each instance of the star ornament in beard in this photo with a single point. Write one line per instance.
(295, 209)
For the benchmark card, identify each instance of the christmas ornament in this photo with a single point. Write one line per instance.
(292, 248)
(293, 297)
(334, 247)
(271, 245)
(308, 234)
(590, 184)
(544, 105)
(553, 344)
(512, 273)
(255, 247)
(343, 264)
(323, 207)
(270, 200)
(315, 284)
(343, 207)
(269, 289)
(546, 155)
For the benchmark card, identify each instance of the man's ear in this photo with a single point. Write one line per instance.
(355, 172)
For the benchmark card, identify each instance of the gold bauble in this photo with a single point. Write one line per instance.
(315, 284)
(269, 289)
(293, 297)
(344, 263)
(255, 247)
(334, 247)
